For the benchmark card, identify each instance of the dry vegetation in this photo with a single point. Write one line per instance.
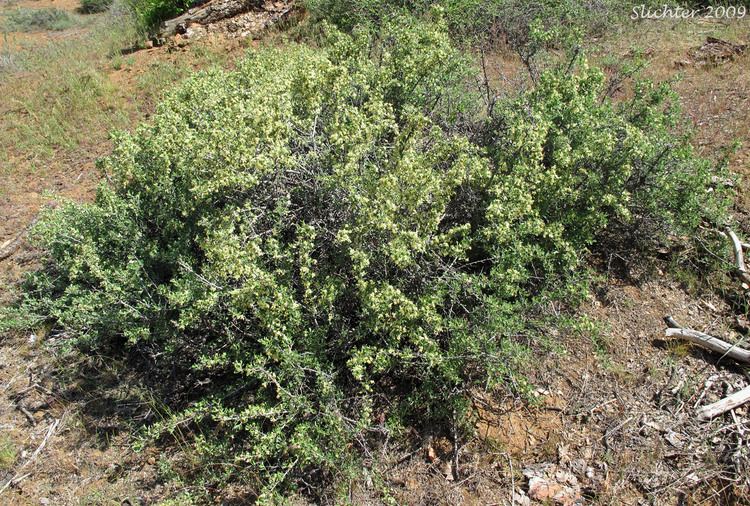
(611, 416)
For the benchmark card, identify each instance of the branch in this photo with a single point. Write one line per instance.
(728, 403)
(711, 343)
(10, 246)
(739, 259)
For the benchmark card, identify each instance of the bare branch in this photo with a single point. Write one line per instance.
(711, 343)
(728, 403)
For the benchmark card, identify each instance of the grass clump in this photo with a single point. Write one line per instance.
(8, 453)
(33, 20)
(317, 242)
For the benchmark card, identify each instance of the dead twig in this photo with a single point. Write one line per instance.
(20, 407)
(18, 476)
(717, 345)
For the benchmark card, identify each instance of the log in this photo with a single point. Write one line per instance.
(206, 13)
(728, 403)
(711, 343)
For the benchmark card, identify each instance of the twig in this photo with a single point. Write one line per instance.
(20, 407)
(18, 476)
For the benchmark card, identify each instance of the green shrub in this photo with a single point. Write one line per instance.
(475, 22)
(94, 6)
(307, 236)
(29, 20)
(152, 12)
(596, 168)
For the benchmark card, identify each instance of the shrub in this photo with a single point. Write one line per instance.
(475, 22)
(152, 12)
(29, 20)
(307, 239)
(596, 168)
(94, 6)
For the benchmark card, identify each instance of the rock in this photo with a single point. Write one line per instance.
(44, 501)
(521, 499)
(675, 439)
(548, 483)
(541, 489)
(579, 466)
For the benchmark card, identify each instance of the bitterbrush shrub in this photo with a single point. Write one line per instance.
(473, 22)
(308, 243)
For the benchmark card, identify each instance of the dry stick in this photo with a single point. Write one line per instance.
(745, 245)
(739, 259)
(18, 477)
(26, 413)
(711, 343)
(714, 344)
(728, 403)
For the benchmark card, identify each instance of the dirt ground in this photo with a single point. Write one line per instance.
(614, 417)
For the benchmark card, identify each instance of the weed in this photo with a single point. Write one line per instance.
(8, 453)
(31, 20)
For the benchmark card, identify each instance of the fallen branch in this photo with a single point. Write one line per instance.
(671, 323)
(739, 259)
(711, 343)
(745, 245)
(728, 403)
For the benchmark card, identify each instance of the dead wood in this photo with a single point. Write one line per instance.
(18, 476)
(209, 12)
(711, 343)
(20, 407)
(728, 403)
(739, 258)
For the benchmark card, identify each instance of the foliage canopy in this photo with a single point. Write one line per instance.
(309, 237)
